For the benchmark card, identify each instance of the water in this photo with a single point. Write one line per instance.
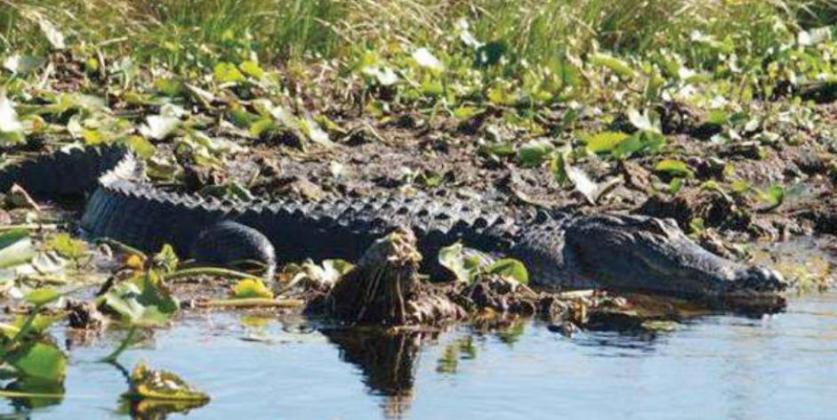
(781, 366)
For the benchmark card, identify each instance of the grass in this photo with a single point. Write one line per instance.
(294, 28)
(626, 61)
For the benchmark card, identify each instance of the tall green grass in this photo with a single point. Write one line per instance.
(181, 32)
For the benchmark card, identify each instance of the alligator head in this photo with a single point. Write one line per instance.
(643, 253)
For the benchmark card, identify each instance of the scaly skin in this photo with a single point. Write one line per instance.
(614, 251)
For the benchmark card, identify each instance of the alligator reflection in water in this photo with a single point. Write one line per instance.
(387, 358)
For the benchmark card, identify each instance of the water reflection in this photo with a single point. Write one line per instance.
(748, 367)
(387, 358)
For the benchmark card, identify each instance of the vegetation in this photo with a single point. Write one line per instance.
(543, 85)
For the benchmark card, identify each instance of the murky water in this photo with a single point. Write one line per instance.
(781, 366)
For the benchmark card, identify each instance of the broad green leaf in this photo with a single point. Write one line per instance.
(773, 196)
(15, 248)
(161, 385)
(67, 246)
(534, 153)
(454, 258)
(604, 142)
(251, 288)
(39, 360)
(511, 268)
(227, 73)
(43, 296)
(673, 167)
(168, 87)
(464, 112)
(166, 259)
(141, 301)
(675, 185)
(139, 145)
(642, 121)
(252, 69)
(616, 65)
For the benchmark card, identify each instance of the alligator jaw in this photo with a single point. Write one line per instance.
(639, 253)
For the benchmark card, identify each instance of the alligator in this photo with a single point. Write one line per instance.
(561, 250)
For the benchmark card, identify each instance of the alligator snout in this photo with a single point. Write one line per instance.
(759, 279)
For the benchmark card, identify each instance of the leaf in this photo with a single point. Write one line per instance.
(140, 145)
(52, 34)
(159, 127)
(251, 288)
(643, 121)
(22, 64)
(39, 360)
(583, 184)
(11, 129)
(42, 296)
(168, 86)
(604, 142)
(67, 246)
(451, 257)
(227, 73)
(161, 385)
(312, 130)
(463, 262)
(534, 153)
(166, 259)
(558, 166)
(426, 59)
(673, 167)
(675, 185)
(15, 248)
(141, 301)
(614, 64)
(773, 197)
(511, 268)
(252, 69)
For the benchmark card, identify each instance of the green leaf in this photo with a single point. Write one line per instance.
(15, 248)
(773, 196)
(161, 385)
(252, 69)
(673, 167)
(511, 268)
(675, 185)
(39, 360)
(251, 288)
(558, 166)
(464, 263)
(67, 246)
(604, 142)
(643, 121)
(166, 259)
(168, 87)
(141, 301)
(616, 65)
(534, 153)
(227, 73)
(142, 147)
(42, 296)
